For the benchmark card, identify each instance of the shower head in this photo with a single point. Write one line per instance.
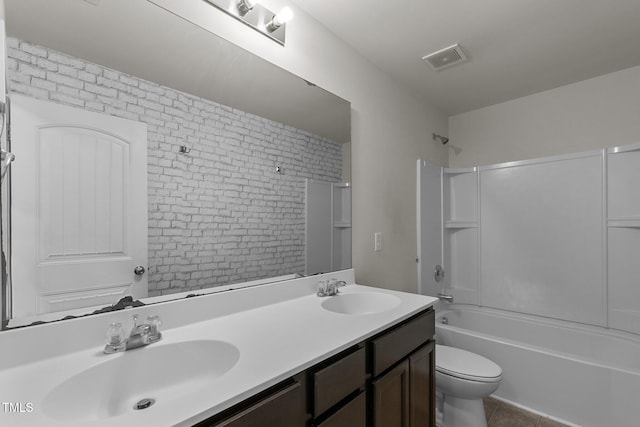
(442, 139)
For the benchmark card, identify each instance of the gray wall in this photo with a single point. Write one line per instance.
(218, 215)
(587, 115)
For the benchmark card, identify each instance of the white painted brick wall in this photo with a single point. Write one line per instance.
(220, 214)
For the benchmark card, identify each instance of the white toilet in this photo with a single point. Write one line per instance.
(462, 380)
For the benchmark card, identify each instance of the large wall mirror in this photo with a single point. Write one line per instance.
(232, 146)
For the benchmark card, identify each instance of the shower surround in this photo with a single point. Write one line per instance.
(541, 260)
(552, 237)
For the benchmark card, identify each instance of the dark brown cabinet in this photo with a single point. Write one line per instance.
(385, 381)
(402, 397)
(404, 374)
(353, 414)
(335, 382)
(283, 405)
(391, 402)
(392, 346)
(422, 384)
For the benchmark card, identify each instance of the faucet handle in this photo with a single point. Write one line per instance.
(323, 288)
(154, 322)
(116, 338)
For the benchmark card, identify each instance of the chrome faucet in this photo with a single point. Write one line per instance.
(329, 288)
(445, 297)
(140, 335)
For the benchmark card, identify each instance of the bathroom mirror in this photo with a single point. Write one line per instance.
(232, 140)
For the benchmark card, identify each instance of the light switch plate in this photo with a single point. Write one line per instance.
(377, 239)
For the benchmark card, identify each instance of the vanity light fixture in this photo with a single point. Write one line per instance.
(256, 16)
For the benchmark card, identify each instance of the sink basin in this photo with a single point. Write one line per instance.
(361, 303)
(159, 372)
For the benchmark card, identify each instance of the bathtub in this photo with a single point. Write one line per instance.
(577, 374)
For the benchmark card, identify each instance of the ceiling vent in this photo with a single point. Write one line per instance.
(445, 58)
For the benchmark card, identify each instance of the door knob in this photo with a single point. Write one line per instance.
(139, 270)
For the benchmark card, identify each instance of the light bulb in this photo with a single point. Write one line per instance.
(285, 15)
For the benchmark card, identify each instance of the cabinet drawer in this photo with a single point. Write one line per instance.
(398, 343)
(353, 414)
(336, 381)
(282, 408)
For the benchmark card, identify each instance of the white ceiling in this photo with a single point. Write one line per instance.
(516, 47)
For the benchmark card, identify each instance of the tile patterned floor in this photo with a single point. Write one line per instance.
(501, 414)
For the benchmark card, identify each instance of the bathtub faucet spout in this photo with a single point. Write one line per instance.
(445, 297)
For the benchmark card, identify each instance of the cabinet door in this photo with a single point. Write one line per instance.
(422, 386)
(283, 408)
(391, 398)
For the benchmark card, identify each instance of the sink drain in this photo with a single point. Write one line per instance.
(143, 404)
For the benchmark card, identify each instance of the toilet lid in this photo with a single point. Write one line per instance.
(466, 365)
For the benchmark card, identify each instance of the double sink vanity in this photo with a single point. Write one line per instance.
(275, 354)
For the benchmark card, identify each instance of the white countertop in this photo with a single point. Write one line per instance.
(275, 341)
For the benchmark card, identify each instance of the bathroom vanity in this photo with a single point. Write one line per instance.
(388, 379)
(273, 354)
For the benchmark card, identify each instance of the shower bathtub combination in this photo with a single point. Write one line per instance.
(577, 374)
(541, 260)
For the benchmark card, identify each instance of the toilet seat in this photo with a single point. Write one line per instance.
(466, 365)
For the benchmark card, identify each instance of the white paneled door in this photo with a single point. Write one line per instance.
(79, 207)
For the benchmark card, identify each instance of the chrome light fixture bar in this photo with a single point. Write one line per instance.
(256, 16)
